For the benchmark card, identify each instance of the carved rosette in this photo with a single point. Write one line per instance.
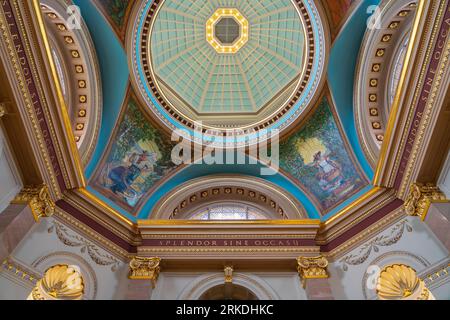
(312, 268)
(400, 282)
(60, 282)
(142, 268)
(228, 270)
(38, 199)
(420, 197)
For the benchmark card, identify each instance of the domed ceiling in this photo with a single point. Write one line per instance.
(228, 65)
(215, 78)
(237, 68)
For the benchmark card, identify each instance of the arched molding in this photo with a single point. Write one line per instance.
(200, 285)
(379, 68)
(78, 70)
(189, 197)
(62, 257)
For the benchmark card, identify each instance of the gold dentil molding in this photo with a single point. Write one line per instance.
(420, 198)
(312, 268)
(142, 268)
(60, 282)
(400, 282)
(38, 199)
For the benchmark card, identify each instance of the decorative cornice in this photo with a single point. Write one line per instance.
(420, 197)
(38, 199)
(142, 268)
(312, 268)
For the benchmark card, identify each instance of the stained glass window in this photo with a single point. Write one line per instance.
(229, 211)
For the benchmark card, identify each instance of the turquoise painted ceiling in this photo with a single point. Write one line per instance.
(274, 51)
(212, 82)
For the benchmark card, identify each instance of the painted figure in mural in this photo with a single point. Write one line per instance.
(122, 177)
(139, 157)
(330, 174)
(317, 156)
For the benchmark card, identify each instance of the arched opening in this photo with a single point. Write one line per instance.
(228, 291)
(229, 211)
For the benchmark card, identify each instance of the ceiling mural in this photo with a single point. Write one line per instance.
(116, 11)
(318, 157)
(138, 157)
(230, 66)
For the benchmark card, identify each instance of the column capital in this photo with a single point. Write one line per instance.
(312, 268)
(143, 268)
(420, 197)
(38, 199)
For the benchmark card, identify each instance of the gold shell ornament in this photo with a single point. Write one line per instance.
(60, 282)
(400, 282)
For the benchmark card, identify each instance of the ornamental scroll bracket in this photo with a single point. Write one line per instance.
(312, 268)
(142, 268)
(420, 197)
(228, 270)
(38, 199)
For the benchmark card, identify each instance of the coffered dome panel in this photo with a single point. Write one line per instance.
(229, 65)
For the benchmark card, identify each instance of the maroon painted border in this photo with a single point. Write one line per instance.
(226, 242)
(395, 204)
(97, 227)
(32, 88)
(424, 95)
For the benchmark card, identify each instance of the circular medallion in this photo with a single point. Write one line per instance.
(227, 72)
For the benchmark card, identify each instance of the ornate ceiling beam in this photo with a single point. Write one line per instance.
(32, 73)
(415, 111)
(264, 239)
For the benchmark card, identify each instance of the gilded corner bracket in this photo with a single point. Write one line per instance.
(38, 199)
(420, 197)
(142, 268)
(312, 268)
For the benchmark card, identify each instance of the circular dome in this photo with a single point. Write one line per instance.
(232, 68)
